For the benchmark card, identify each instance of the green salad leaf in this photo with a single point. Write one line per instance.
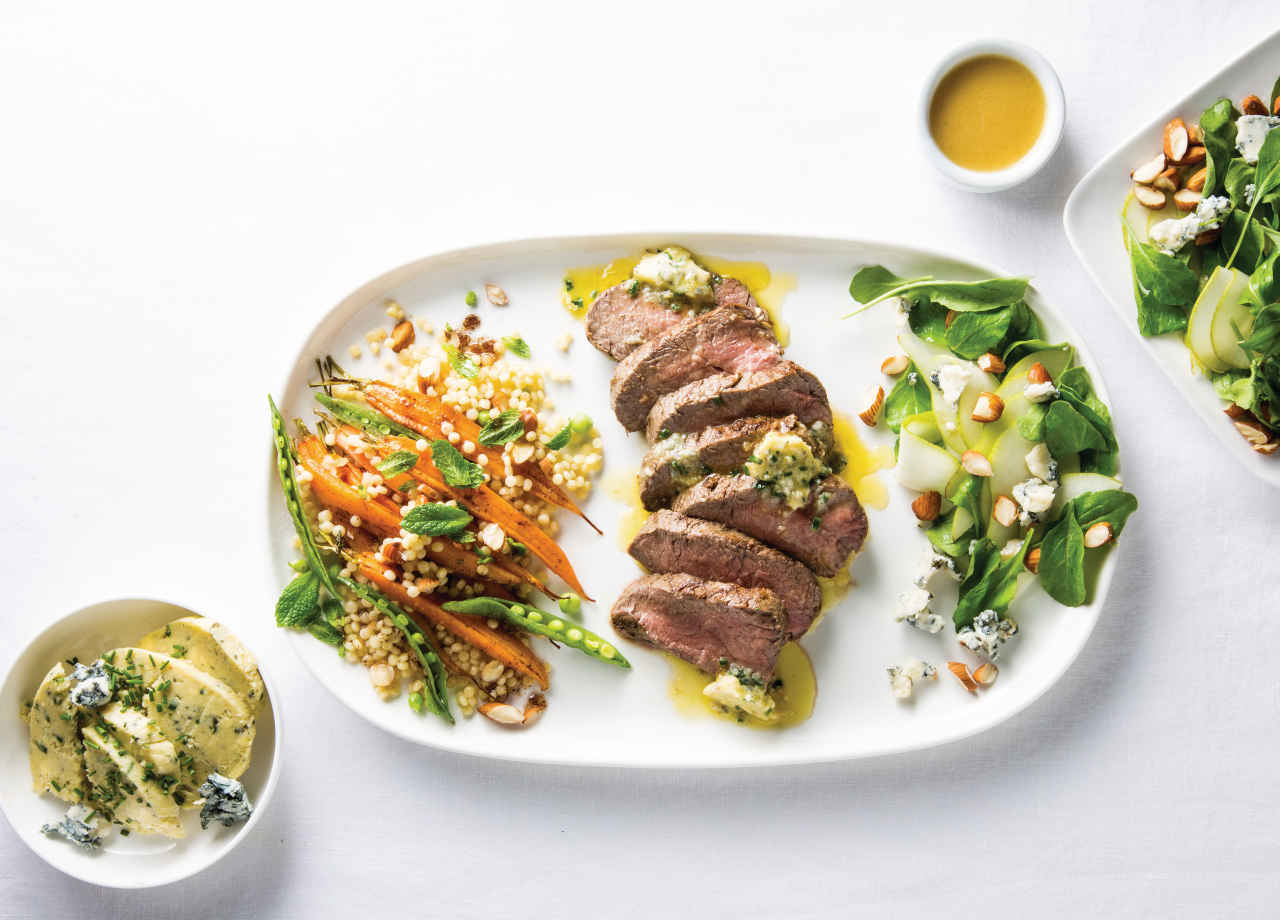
(1062, 560)
(909, 396)
(435, 520)
(1066, 431)
(1267, 181)
(502, 429)
(974, 334)
(991, 584)
(1164, 276)
(516, 345)
(961, 296)
(940, 536)
(299, 603)
(929, 321)
(397, 462)
(1031, 422)
(1245, 238)
(1219, 125)
(457, 470)
(875, 282)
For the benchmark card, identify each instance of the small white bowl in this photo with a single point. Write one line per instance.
(123, 862)
(1055, 117)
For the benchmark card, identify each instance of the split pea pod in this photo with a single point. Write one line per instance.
(286, 459)
(437, 698)
(533, 620)
(364, 418)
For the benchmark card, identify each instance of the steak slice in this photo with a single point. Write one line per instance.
(670, 542)
(727, 339)
(679, 461)
(704, 621)
(619, 322)
(737, 502)
(784, 389)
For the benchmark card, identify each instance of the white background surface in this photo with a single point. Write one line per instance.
(182, 193)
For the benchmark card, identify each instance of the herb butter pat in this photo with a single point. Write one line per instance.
(786, 462)
(673, 270)
(736, 689)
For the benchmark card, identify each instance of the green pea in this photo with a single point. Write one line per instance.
(334, 570)
(535, 616)
(483, 417)
(580, 423)
(299, 565)
(570, 603)
(555, 624)
(471, 298)
(415, 702)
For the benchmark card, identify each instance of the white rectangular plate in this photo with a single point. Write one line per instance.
(1092, 220)
(604, 715)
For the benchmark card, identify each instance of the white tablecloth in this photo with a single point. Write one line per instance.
(184, 190)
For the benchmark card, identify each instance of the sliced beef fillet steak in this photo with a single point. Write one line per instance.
(704, 621)
(670, 542)
(620, 321)
(680, 460)
(821, 534)
(784, 389)
(724, 340)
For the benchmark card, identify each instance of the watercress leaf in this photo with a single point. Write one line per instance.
(364, 418)
(1243, 237)
(326, 633)
(1270, 234)
(978, 584)
(516, 345)
(909, 396)
(397, 462)
(434, 520)
(1219, 125)
(299, 603)
(876, 281)
(1031, 422)
(929, 321)
(1239, 176)
(560, 440)
(1164, 276)
(461, 363)
(1156, 317)
(1062, 560)
(457, 470)
(502, 429)
(940, 536)
(974, 334)
(1066, 431)
(1112, 506)
(1265, 337)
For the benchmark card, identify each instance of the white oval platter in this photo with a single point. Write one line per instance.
(607, 716)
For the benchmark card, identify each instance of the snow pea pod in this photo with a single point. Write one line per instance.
(364, 418)
(533, 620)
(286, 461)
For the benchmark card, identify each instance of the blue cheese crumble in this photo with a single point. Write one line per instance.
(79, 825)
(913, 608)
(1041, 464)
(933, 562)
(987, 634)
(225, 801)
(902, 678)
(1171, 235)
(94, 687)
(1251, 131)
(951, 379)
(1034, 497)
(1040, 392)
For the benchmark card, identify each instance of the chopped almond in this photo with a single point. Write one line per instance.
(988, 408)
(961, 671)
(895, 365)
(975, 463)
(1005, 510)
(1252, 105)
(872, 403)
(1098, 534)
(992, 363)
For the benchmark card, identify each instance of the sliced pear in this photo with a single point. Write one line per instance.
(1073, 485)
(1135, 215)
(1200, 324)
(1008, 468)
(1168, 212)
(924, 426)
(1229, 316)
(960, 523)
(922, 466)
(1053, 360)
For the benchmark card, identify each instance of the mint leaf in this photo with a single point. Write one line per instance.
(502, 429)
(299, 603)
(561, 438)
(397, 462)
(326, 633)
(333, 611)
(461, 363)
(516, 345)
(907, 398)
(457, 470)
(435, 520)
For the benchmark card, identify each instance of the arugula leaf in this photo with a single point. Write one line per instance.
(1245, 239)
(1164, 276)
(1031, 422)
(1239, 175)
(299, 603)
(516, 345)
(435, 520)
(1265, 337)
(906, 398)
(397, 462)
(457, 470)
(1219, 125)
(502, 429)
(1112, 506)
(876, 281)
(1066, 431)
(1263, 289)
(1267, 181)
(1156, 317)
(940, 536)
(961, 296)
(364, 418)
(974, 334)
(1062, 560)
(461, 363)
(326, 633)
(929, 321)
(560, 439)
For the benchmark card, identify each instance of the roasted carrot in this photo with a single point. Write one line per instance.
(382, 517)
(482, 502)
(477, 633)
(426, 414)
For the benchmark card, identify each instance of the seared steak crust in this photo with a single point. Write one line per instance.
(671, 542)
(727, 339)
(618, 322)
(784, 389)
(704, 621)
(841, 524)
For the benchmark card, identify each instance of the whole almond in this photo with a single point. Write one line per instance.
(975, 463)
(402, 336)
(1196, 182)
(1038, 374)
(503, 713)
(1209, 236)
(1005, 510)
(1252, 105)
(988, 408)
(927, 506)
(1195, 154)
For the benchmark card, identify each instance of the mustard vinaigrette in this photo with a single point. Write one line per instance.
(987, 113)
